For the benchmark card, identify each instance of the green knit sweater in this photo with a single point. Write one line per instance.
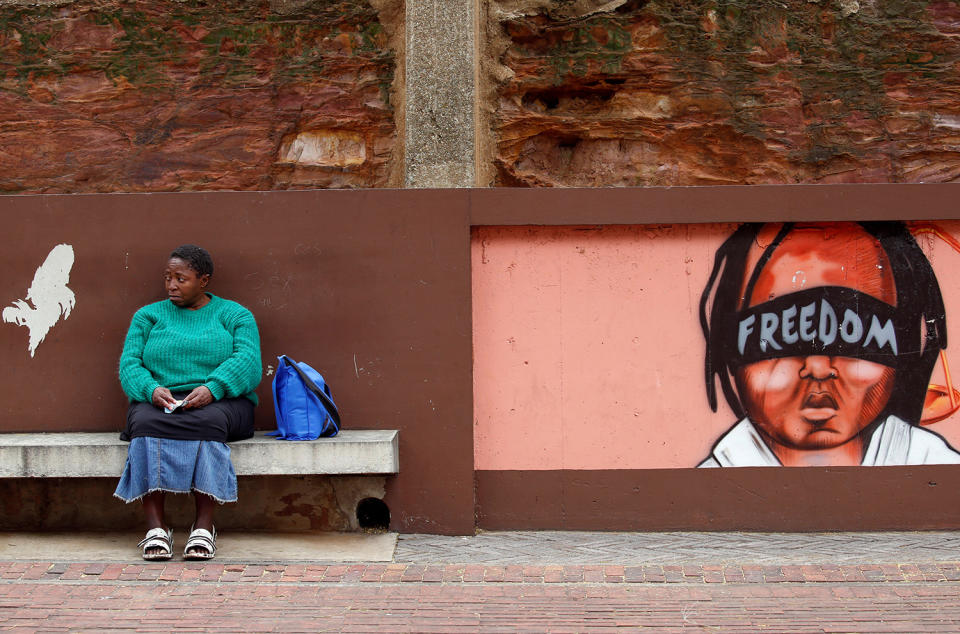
(180, 349)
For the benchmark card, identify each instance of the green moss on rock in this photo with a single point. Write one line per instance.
(239, 41)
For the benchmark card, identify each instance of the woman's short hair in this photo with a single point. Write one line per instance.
(197, 258)
(918, 302)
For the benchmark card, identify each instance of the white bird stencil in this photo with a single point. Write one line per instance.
(50, 296)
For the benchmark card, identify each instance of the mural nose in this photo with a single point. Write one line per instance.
(817, 367)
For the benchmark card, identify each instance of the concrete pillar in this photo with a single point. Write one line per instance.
(440, 143)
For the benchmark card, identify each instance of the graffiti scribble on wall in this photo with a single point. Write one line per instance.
(49, 294)
(822, 339)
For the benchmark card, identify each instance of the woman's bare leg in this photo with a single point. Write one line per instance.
(205, 508)
(153, 509)
(206, 505)
(153, 504)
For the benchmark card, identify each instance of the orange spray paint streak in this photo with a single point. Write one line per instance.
(950, 389)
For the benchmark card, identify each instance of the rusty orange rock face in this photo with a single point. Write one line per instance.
(107, 95)
(705, 92)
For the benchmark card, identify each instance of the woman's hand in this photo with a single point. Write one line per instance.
(163, 398)
(199, 397)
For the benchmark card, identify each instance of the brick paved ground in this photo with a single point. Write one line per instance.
(690, 574)
(485, 607)
(419, 592)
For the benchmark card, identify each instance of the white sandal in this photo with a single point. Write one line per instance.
(161, 538)
(203, 541)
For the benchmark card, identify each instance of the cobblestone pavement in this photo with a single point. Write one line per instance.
(519, 582)
(571, 547)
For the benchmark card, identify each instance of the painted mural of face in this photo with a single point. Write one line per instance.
(811, 410)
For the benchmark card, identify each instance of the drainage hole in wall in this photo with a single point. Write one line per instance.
(373, 514)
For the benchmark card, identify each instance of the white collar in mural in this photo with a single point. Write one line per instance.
(894, 442)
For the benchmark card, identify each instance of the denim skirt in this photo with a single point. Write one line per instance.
(177, 466)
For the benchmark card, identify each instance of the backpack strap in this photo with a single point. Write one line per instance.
(323, 396)
(276, 409)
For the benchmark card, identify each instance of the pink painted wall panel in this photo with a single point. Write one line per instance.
(516, 357)
(588, 352)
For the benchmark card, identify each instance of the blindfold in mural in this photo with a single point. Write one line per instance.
(827, 320)
(822, 338)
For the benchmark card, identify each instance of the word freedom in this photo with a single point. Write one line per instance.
(813, 323)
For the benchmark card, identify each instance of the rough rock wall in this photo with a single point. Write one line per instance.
(138, 95)
(704, 92)
(160, 95)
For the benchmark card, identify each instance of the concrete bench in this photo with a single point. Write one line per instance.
(93, 455)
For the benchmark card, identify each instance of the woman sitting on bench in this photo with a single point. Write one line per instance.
(189, 366)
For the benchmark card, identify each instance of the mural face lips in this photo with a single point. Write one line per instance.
(819, 406)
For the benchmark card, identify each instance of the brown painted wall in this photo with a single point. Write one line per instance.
(733, 203)
(371, 287)
(759, 499)
(384, 275)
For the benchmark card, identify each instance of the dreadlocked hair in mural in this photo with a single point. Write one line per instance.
(919, 305)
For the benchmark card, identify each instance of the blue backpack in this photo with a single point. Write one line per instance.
(302, 402)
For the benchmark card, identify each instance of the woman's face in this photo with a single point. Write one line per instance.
(184, 287)
(819, 402)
